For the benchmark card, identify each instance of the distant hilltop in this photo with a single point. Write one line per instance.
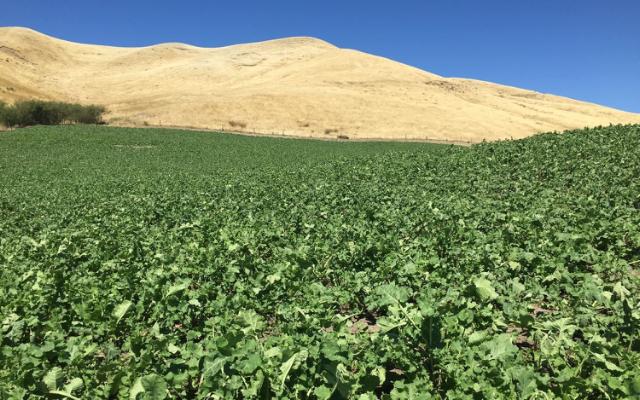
(295, 86)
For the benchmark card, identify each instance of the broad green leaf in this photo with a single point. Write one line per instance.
(389, 294)
(634, 385)
(155, 388)
(64, 394)
(73, 385)
(621, 291)
(285, 368)
(152, 387)
(251, 321)
(252, 363)
(211, 368)
(388, 324)
(381, 373)
(608, 364)
(121, 309)
(484, 289)
(500, 346)
(273, 352)
(53, 378)
(517, 287)
(255, 385)
(477, 337)
(514, 265)
(177, 288)
(322, 392)
(291, 363)
(136, 389)
(173, 349)
(526, 380)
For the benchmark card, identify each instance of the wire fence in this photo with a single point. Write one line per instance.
(343, 137)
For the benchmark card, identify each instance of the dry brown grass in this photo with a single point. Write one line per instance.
(273, 85)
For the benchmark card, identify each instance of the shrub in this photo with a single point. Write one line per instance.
(91, 114)
(38, 112)
(238, 124)
(8, 116)
(329, 131)
(35, 112)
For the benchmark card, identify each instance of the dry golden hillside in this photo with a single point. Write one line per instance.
(299, 86)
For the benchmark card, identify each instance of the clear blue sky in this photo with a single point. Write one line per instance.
(585, 49)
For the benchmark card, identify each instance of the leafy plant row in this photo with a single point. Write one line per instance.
(144, 264)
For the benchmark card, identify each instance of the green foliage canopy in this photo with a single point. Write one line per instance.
(38, 112)
(154, 264)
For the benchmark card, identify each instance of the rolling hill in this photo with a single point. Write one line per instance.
(295, 86)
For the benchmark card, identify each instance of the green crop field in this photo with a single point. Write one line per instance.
(153, 264)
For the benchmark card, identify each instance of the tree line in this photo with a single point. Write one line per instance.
(39, 112)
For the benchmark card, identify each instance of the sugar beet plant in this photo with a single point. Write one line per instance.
(140, 264)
